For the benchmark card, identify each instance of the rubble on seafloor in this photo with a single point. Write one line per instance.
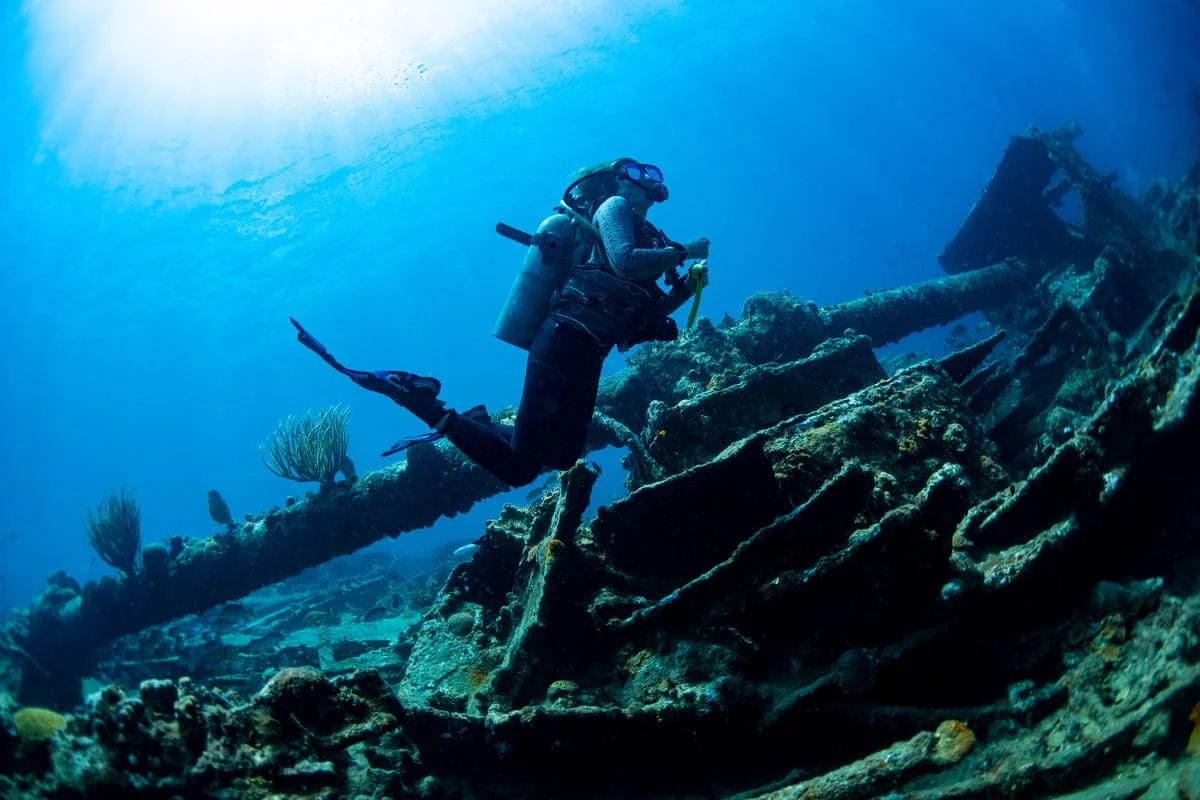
(975, 578)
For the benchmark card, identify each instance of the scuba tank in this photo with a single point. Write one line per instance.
(552, 252)
(562, 241)
(547, 263)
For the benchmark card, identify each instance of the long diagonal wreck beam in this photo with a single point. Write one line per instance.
(435, 482)
(891, 315)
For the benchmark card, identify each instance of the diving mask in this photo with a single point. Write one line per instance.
(642, 173)
(648, 177)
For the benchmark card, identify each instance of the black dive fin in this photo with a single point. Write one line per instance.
(477, 413)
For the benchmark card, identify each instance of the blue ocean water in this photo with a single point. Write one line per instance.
(180, 178)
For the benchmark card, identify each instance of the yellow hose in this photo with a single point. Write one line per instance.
(695, 272)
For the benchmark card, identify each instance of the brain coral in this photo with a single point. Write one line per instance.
(37, 724)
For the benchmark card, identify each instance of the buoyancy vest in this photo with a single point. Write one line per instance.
(601, 303)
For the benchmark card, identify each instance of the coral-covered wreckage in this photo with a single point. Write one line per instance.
(973, 578)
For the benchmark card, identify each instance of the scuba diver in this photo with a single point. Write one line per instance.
(589, 283)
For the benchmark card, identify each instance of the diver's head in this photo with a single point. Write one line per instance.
(641, 184)
(636, 180)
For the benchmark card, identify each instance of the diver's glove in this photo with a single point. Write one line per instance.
(680, 250)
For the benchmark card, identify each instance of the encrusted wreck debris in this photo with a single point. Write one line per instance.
(975, 578)
(778, 361)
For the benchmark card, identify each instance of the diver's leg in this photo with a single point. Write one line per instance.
(490, 446)
(578, 407)
(562, 377)
(561, 383)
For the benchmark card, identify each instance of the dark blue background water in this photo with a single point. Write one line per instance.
(174, 189)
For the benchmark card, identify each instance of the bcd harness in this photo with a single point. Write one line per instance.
(612, 309)
(594, 298)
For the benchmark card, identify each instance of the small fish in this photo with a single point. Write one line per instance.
(466, 551)
(234, 614)
(553, 480)
(318, 618)
(266, 644)
(375, 613)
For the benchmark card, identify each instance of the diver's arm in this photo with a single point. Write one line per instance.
(673, 301)
(617, 225)
(680, 293)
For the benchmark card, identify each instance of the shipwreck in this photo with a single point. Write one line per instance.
(975, 577)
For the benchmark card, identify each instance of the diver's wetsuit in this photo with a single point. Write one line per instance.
(597, 308)
(562, 376)
(612, 299)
